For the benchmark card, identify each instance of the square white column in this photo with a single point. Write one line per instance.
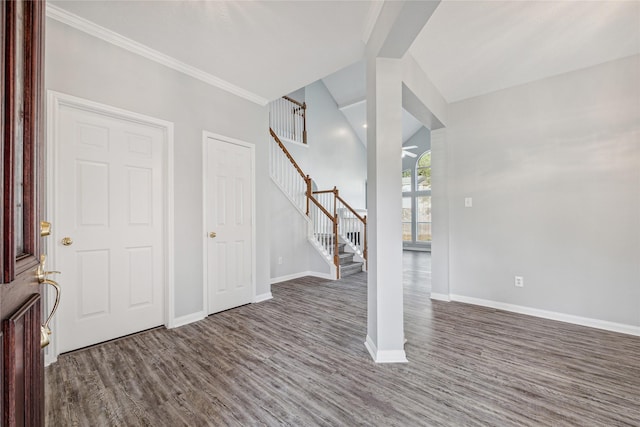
(385, 316)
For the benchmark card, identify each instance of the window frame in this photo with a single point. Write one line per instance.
(413, 194)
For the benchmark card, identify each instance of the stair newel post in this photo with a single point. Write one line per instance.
(336, 258)
(308, 181)
(364, 251)
(304, 122)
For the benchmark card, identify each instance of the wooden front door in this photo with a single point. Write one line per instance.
(21, 160)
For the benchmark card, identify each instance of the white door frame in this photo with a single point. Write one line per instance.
(55, 100)
(205, 232)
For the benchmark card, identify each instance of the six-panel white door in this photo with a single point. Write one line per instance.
(109, 203)
(228, 219)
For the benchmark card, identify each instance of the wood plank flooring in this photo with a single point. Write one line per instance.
(299, 360)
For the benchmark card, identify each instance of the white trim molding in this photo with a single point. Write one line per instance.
(95, 30)
(551, 315)
(293, 276)
(55, 100)
(262, 297)
(384, 356)
(189, 318)
(440, 297)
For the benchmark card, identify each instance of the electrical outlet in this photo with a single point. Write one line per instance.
(279, 260)
(519, 282)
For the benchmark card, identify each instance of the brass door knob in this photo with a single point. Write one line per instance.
(67, 241)
(212, 234)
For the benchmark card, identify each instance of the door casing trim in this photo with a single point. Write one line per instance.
(55, 100)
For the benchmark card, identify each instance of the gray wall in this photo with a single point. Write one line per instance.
(289, 231)
(80, 65)
(334, 156)
(554, 171)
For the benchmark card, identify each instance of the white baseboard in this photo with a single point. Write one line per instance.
(262, 297)
(384, 356)
(551, 315)
(301, 274)
(440, 297)
(185, 320)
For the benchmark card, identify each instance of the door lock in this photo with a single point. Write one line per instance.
(212, 234)
(67, 241)
(42, 277)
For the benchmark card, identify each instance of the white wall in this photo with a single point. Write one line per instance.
(554, 171)
(289, 242)
(334, 156)
(81, 65)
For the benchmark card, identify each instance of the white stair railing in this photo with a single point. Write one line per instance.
(289, 177)
(287, 117)
(352, 227)
(324, 230)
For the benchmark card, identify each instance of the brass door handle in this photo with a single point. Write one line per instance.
(212, 234)
(41, 274)
(67, 241)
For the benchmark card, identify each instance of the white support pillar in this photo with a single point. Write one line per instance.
(385, 316)
(440, 216)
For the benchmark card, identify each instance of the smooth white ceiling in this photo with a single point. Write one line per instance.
(267, 47)
(469, 48)
(348, 86)
(356, 115)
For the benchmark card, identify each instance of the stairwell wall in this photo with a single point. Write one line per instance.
(334, 155)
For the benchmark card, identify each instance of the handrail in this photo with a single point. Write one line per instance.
(352, 210)
(289, 118)
(323, 191)
(295, 102)
(286, 152)
(324, 211)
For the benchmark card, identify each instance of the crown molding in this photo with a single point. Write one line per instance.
(95, 30)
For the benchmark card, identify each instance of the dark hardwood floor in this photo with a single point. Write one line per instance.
(299, 360)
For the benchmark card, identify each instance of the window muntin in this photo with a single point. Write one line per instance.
(407, 218)
(406, 180)
(423, 219)
(423, 172)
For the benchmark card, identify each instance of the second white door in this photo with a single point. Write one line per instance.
(229, 223)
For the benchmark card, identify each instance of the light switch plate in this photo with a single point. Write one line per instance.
(468, 202)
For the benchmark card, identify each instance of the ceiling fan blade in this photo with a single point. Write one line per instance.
(410, 154)
(409, 147)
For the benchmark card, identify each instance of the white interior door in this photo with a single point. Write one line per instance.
(109, 213)
(229, 224)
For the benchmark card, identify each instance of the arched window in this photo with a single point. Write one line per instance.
(416, 203)
(423, 172)
(423, 198)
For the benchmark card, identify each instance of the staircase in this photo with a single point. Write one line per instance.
(336, 230)
(347, 266)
